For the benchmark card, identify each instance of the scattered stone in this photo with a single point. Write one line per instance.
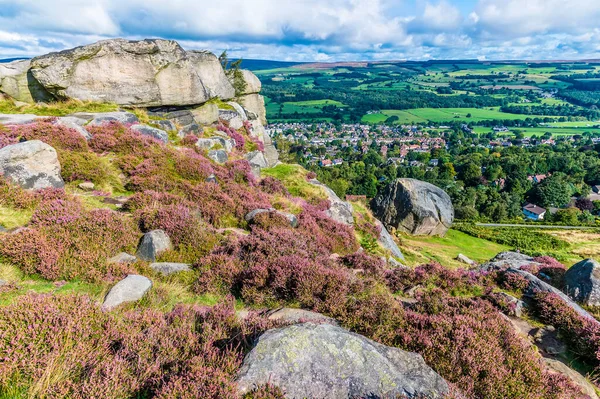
(325, 361)
(130, 289)
(167, 268)
(212, 179)
(87, 186)
(123, 257)
(151, 132)
(152, 244)
(219, 156)
(387, 241)
(220, 142)
(206, 114)
(18, 119)
(415, 207)
(339, 210)
(504, 260)
(582, 282)
(74, 123)
(231, 118)
(291, 315)
(99, 119)
(290, 217)
(168, 126)
(395, 264)
(466, 260)
(31, 164)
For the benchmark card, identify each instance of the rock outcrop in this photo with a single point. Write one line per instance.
(327, 362)
(17, 81)
(415, 207)
(132, 288)
(31, 164)
(582, 282)
(168, 268)
(340, 211)
(141, 73)
(387, 241)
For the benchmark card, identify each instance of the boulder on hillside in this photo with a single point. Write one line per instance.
(582, 282)
(340, 211)
(153, 132)
(74, 123)
(257, 161)
(504, 260)
(123, 257)
(579, 380)
(415, 207)
(206, 114)
(142, 73)
(254, 104)
(31, 164)
(216, 142)
(253, 84)
(231, 118)
(153, 244)
(132, 288)
(465, 259)
(387, 241)
(536, 285)
(168, 268)
(100, 118)
(325, 361)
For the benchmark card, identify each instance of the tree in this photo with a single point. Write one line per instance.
(584, 204)
(471, 174)
(234, 73)
(553, 191)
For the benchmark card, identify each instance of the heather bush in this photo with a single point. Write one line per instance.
(273, 186)
(67, 242)
(217, 274)
(513, 282)
(550, 270)
(12, 195)
(66, 346)
(58, 136)
(365, 263)
(335, 237)
(240, 141)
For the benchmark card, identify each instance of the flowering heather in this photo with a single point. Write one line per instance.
(58, 136)
(365, 263)
(154, 199)
(190, 140)
(192, 166)
(66, 346)
(334, 236)
(240, 141)
(273, 186)
(117, 138)
(14, 196)
(56, 213)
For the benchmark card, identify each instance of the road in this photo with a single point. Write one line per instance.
(536, 226)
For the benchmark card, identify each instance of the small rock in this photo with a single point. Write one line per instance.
(74, 123)
(152, 244)
(582, 282)
(165, 125)
(130, 289)
(212, 179)
(291, 315)
(123, 257)
(151, 132)
(546, 339)
(167, 268)
(339, 210)
(99, 119)
(395, 264)
(465, 259)
(219, 156)
(87, 186)
(516, 306)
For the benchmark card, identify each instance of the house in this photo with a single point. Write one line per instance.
(534, 212)
(325, 162)
(536, 179)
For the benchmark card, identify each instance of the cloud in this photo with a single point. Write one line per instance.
(310, 30)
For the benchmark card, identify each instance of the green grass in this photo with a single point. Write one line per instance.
(419, 250)
(59, 108)
(294, 179)
(11, 218)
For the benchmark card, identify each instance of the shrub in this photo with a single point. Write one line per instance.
(12, 195)
(88, 166)
(58, 136)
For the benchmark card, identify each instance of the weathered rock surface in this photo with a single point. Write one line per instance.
(516, 305)
(292, 315)
(546, 338)
(579, 380)
(219, 156)
(231, 118)
(74, 123)
(18, 119)
(123, 257)
(327, 362)
(130, 289)
(142, 73)
(415, 207)
(87, 186)
(31, 164)
(387, 241)
(153, 244)
(253, 84)
(582, 282)
(537, 285)
(17, 81)
(504, 260)
(151, 132)
(340, 211)
(254, 104)
(254, 213)
(167, 268)
(99, 119)
(219, 142)
(206, 114)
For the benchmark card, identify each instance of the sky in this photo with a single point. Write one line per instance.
(315, 30)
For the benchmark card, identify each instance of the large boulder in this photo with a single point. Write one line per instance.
(387, 241)
(327, 362)
(253, 84)
(206, 114)
(101, 118)
(504, 260)
(340, 211)
(130, 289)
(31, 164)
(415, 207)
(140, 73)
(254, 104)
(582, 282)
(153, 132)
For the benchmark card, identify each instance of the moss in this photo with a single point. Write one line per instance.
(220, 104)
(58, 108)
(11, 218)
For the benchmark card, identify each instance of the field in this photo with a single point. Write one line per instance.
(431, 93)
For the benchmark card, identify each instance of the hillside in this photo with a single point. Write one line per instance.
(153, 246)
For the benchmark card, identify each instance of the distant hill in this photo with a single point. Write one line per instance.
(5, 60)
(257, 65)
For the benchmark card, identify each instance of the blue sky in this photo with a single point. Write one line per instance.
(315, 30)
